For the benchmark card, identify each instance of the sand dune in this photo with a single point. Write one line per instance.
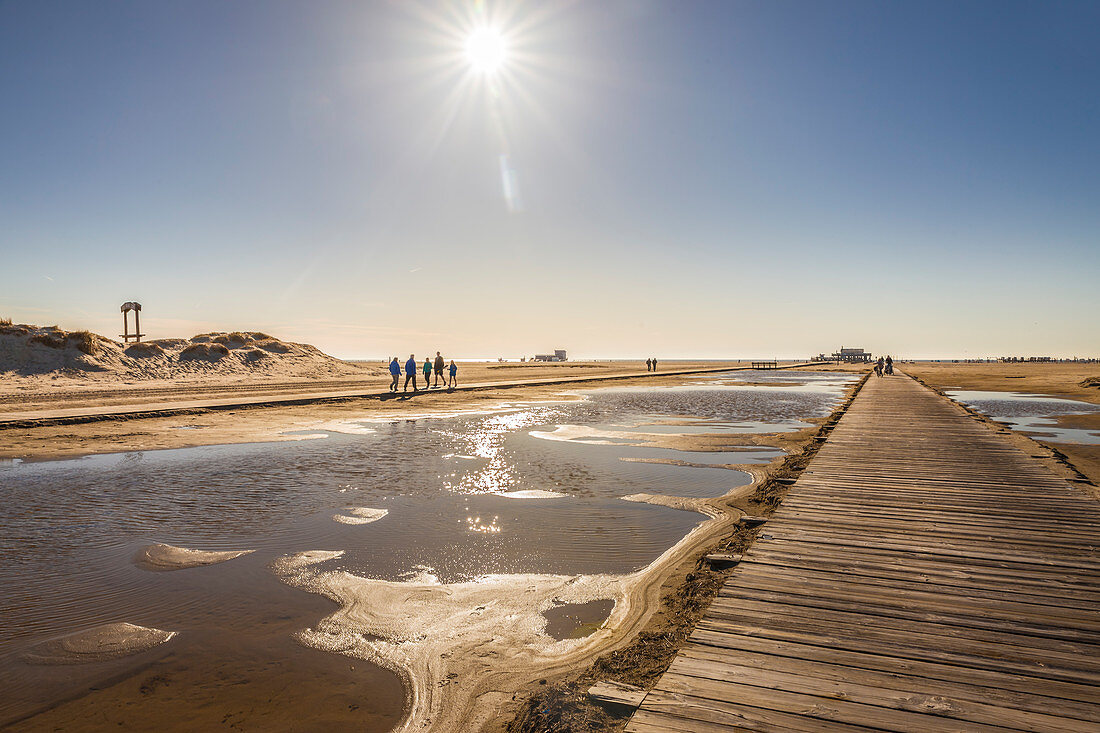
(31, 351)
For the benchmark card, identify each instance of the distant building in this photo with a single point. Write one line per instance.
(852, 355)
(558, 355)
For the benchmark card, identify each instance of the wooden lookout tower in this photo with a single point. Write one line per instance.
(137, 334)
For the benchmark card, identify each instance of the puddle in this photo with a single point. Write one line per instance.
(1041, 416)
(464, 495)
(577, 620)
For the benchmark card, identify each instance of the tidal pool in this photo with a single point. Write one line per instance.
(1034, 414)
(429, 498)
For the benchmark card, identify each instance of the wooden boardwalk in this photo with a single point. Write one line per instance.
(922, 575)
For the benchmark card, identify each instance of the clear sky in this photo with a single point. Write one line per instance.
(636, 178)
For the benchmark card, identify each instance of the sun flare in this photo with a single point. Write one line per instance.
(486, 50)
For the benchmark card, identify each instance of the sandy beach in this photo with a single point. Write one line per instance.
(270, 423)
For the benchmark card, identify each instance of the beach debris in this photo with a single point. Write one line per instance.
(106, 641)
(723, 559)
(749, 520)
(616, 694)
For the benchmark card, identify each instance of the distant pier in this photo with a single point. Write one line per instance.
(923, 574)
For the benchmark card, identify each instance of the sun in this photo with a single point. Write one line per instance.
(486, 50)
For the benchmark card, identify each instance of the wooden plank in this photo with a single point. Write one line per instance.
(935, 548)
(892, 614)
(969, 690)
(616, 694)
(836, 708)
(928, 575)
(1085, 579)
(693, 714)
(849, 590)
(901, 587)
(1086, 694)
(871, 689)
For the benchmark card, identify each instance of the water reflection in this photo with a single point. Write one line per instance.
(1036, 415)
(464, 494)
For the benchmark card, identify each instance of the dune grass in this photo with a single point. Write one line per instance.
(86, 341)
(48, 340)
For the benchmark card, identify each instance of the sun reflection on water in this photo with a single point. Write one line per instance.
(474, 524)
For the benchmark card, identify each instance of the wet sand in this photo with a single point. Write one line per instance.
(1065, 380)
(54, 391)
(271, 423)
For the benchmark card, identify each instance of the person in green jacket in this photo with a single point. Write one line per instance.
(427, 373)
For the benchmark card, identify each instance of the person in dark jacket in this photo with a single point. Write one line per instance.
(439, 365)
(395, 372)
(410, 373)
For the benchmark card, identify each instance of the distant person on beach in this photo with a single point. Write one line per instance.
(452, 380)
(649, 365)
(889, 365)
(410, 373)
(654, 363)
(395, 372)
(879, 367)
(439, 364)
(427, 372)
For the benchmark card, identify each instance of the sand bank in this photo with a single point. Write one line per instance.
(274, 423)
(449, 640)
(161, 557)
(97, 644)
(360, 515)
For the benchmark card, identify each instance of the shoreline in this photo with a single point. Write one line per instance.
(14, 420)
(276, 424)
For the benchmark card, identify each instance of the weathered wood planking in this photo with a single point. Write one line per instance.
(923, 574)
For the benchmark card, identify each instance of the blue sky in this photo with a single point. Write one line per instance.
(689, 178)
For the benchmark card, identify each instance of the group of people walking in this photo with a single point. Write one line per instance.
(884, 366)
(450, 380)
(651, 365)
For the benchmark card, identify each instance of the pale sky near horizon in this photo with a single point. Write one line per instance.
(679, 179)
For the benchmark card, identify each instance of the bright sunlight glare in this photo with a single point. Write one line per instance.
(486, 50)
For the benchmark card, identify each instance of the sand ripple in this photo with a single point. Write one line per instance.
(162, 557)
(96, 644)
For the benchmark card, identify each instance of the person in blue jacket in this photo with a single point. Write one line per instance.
(452, 381)
(410, 373)
(395, 372)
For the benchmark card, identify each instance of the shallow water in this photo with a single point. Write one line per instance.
(466, 494)
(1033, 414)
